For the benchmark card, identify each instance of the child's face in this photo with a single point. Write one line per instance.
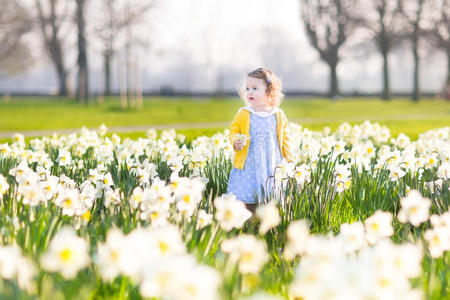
(255, 93)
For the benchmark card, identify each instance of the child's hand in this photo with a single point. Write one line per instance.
(240, 142)
(238, 145)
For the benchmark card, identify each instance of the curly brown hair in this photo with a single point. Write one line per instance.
(274, 86)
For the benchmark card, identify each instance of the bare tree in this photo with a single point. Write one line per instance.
(439, 30)
(413, 12)
(51, 24)
(382, 19)
(15, 22)
(329, 24)
(107, 31)
(117, 20)
(83, 74)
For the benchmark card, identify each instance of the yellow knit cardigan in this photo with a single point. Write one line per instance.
(241, 125)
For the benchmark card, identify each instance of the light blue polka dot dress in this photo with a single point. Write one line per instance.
(250, 183)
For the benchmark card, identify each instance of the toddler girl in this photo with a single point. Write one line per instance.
(258, 135)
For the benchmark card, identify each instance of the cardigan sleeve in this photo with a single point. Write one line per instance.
(286, 141)
(235, 128)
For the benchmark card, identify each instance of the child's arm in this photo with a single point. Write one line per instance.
(286, 141)
(234, 130)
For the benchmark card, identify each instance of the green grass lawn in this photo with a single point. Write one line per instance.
(400, 115)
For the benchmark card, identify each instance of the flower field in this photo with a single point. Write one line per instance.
(358, 214)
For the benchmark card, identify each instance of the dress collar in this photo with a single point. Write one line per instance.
(261, 113)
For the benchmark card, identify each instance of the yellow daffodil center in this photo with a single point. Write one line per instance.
(87, 216)
(228, 214)
(375, 227)
(384, 282)
(247, 257)
(311, 277)
(66, 254)
(191, 289)
(163, 247)
(436, 240)
(67, 202)
(398, 262)
(163, 279)
(114, 255)
(138, 198)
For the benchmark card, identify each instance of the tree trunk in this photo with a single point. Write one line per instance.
(123, 84)
(62, 80)
(56, 53)
(83, 87)
(416, 91)
(107, 61)
(53, 44)
(448, 69)
(334, 88)
(446, 89)
(386, 86)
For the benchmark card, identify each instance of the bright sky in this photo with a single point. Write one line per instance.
(240, 35)
(226, 36)
(194, 41)
(223, 26)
